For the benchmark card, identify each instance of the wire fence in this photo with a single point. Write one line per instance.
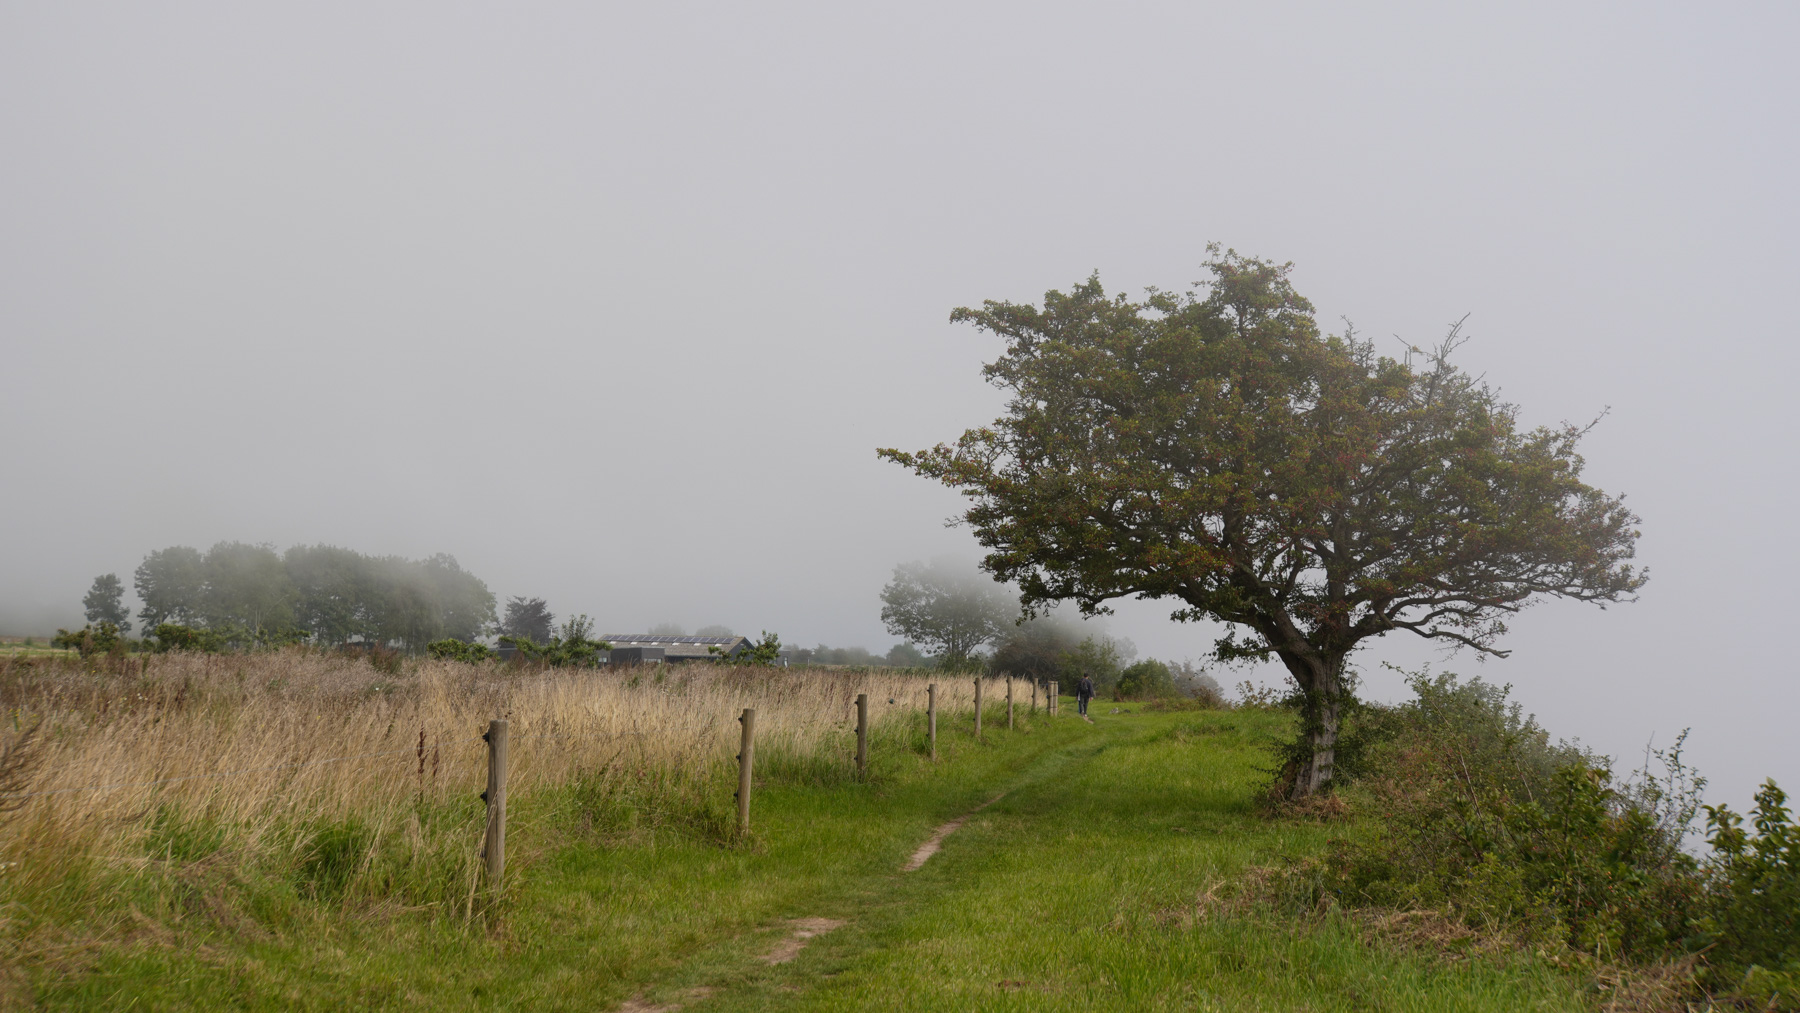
(418, 751)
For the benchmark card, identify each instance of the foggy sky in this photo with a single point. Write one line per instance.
(615, 305)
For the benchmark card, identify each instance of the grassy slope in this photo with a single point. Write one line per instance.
(1069, 890)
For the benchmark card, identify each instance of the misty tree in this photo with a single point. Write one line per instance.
(333, 592)
(247, 585)
(527, 619)
(1213, 447)
(341, 594)
(249, 594)
(905, 655)
(668, 630)
(946, 608)
(715, 630)
(105, 602)
(417, 601)
(1035, 650)
(171, 583)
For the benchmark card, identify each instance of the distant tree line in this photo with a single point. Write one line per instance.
(322, 592)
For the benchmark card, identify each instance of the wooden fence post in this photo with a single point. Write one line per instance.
(1055, 691)
(931, 716)
(495, 797)
(862, 734)
(978, 708)
(746, 754)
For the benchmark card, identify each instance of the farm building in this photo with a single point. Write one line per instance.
(650, 647)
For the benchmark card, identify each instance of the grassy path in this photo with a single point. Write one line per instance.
(1076, 890)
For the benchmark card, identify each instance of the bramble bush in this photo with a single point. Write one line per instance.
(1480, 814)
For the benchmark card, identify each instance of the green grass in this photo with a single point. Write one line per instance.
(38, 647)
(1075, 891)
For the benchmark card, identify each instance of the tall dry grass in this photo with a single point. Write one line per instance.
(108, 761)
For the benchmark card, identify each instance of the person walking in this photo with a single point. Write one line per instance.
(1084, 691)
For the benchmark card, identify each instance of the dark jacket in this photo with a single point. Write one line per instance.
(1085, 688)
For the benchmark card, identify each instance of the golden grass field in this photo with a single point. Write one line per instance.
(103, 755)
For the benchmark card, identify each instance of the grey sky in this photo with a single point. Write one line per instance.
(615, 305)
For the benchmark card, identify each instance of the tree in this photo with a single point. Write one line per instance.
(942, 606)
(105, 603)
(1214, 448)
(247, 585)
(1100, 658)
(247, 594)
(905, 655)
(171, 583)
(527, 618)
(715, 630)
(1034, 650)
(333, 590)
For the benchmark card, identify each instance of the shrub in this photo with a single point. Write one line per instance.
(765, 652)
(1194, 681)
(175, 637)
(1480, 814)
(572, 647)
(456, 650)
(1751, 922)
(1147, 680)
(94, 638)
(225, 637)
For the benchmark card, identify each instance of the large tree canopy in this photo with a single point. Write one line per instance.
(1213, 447)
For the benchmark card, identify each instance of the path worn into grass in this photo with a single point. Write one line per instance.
(936, 840)
(863, 910)
(1080, 885)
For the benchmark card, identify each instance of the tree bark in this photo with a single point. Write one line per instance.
(1321, 679)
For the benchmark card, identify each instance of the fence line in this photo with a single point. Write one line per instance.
(862, 731)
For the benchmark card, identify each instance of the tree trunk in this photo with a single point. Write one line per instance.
(1321, 679)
